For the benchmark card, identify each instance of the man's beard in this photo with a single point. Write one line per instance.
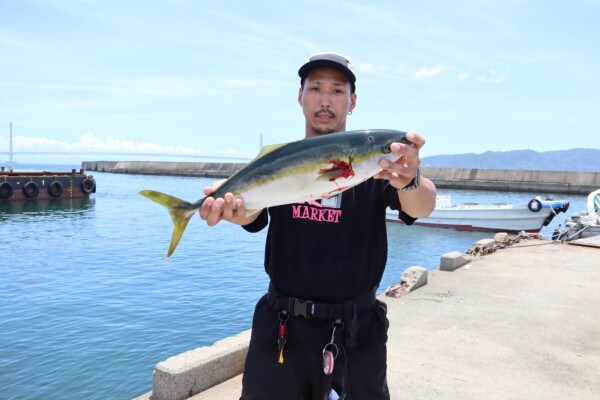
(323, 130)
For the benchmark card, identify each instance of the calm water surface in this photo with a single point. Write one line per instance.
(90, 304)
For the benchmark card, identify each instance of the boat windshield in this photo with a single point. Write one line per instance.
(593, 202)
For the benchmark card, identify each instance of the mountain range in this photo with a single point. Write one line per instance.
(559, 160)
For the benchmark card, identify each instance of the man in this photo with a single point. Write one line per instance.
(320, 333)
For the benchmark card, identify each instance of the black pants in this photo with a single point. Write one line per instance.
(301, 374)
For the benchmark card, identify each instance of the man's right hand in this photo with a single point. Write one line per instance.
(228, 208)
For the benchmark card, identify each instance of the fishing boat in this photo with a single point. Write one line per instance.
(497, 217)
(45, 185)
(583, 224)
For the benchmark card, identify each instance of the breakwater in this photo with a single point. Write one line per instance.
(569, 182)
(198, 169)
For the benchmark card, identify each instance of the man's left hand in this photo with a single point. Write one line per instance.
(404, 169)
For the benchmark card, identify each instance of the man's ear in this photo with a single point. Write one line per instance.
(352, 101)
(300, 95)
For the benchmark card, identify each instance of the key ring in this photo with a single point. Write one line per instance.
(330, 351)
(329, 357)
(329, 347)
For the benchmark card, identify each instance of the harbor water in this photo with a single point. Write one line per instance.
(90, 304)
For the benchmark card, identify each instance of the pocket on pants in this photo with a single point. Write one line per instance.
(264, 324)
(380, 310)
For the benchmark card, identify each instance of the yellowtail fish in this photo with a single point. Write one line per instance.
(295, 172)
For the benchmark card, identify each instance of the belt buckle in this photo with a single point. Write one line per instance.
(299, 307)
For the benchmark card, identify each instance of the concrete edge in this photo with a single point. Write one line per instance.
(185, 375)
(145, 396)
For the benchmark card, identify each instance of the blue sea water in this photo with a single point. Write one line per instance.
(90, 304)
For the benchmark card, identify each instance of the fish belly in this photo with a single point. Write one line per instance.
(297, 188)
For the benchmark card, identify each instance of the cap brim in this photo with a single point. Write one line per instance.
(309, 66)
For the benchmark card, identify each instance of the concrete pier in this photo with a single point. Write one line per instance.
(569, 182)
(521, 323)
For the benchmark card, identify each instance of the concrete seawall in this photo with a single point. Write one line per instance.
(569, 182)
(199, 169)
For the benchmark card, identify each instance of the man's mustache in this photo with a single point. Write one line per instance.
(325, 111)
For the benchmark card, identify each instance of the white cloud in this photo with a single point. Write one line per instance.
(492, 76)
(252, 83)
(159, 86)
(89, 142)
(24, 43)
(427, 72)
(143, 87)
(366, 67)
(462, 76)
(386, 71)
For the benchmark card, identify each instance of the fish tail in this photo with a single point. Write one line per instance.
(180, 211)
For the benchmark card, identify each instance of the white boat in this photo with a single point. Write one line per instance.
(583, 224)
(497, 217)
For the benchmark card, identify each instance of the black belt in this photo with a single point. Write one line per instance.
(310, 309)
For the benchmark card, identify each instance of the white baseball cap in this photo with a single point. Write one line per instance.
(329, 60)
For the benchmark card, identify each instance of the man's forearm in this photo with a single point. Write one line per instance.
(419, 202)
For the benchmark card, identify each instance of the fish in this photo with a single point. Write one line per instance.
(301, 171)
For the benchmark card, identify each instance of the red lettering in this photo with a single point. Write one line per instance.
(337, 214)
(330, 216)
(313, 214)
(296, 211)
(321, 214)
(316, 214)
(305, 213)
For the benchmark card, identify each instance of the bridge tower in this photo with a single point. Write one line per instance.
(10, 147)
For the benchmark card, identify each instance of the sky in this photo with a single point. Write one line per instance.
(213, 77)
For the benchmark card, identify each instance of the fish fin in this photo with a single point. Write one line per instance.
(329, 176)
(339, 169)
(267, 149)
(178, 209)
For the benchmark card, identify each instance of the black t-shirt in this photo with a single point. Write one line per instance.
(333, 249)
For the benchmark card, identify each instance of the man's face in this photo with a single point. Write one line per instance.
(326, 100)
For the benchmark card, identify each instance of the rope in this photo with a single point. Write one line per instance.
(532, 245)
(578, 232)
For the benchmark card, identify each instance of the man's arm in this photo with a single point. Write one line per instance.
(226, 208)
(419, 202)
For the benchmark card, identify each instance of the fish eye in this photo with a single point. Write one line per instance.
(371, 139)
(388, 148)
